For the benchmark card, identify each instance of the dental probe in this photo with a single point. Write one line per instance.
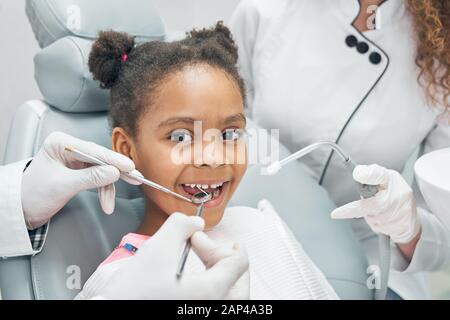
(90, 159)
(200, 197)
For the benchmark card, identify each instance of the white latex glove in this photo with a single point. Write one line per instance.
(55, 176)
(392, 211)
(211, 253)
(151, 272)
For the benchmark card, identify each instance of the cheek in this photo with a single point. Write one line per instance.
(156, 165)
(239, 171)
(236, 153)
(240, 166)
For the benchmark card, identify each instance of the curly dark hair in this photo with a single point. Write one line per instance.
(432, 27)
(133, 71)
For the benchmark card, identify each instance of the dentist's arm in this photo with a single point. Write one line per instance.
(31, 195)
(12, 223)
(151, 272)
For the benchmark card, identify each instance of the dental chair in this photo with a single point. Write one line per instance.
(80, 237)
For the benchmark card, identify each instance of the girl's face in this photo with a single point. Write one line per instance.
(192, 135)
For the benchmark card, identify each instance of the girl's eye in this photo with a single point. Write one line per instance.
(180, 136)
(232, 134)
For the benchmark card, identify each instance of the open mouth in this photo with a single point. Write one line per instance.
(217, 189)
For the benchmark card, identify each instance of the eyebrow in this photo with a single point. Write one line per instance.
(235, 118)
(176, 120)
(188, 120)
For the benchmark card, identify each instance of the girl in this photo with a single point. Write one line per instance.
(177, 110)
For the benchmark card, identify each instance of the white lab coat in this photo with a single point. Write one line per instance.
(14, 238)
(303, 79)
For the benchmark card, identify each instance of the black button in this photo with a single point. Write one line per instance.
(362, 47)
(351, 41)
(375, 58)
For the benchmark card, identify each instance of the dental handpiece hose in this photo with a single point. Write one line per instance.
(313, 147)
(366, 191)
(384, 241)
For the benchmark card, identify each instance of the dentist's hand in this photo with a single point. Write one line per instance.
(55, 176)
(213, 254)
(151, 272)
(392, 211)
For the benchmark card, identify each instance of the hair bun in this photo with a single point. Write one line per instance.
(106, 57)
(220, 34)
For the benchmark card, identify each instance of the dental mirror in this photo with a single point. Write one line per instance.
(198, 198)
(201, 197)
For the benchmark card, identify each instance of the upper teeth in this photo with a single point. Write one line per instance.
(205, 186)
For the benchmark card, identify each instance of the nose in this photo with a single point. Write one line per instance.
(211, 153)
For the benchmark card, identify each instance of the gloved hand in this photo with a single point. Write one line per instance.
(392, 211)
(55, 176)
(211, 253)
(151, 272)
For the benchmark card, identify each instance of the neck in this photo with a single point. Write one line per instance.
(365, 20)
(153, 219)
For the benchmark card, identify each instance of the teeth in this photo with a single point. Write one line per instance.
(204, 186)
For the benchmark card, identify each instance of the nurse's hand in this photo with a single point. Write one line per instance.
(55, 176)
(392, 211)
(151, 272)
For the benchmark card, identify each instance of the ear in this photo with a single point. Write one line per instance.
(122, 142)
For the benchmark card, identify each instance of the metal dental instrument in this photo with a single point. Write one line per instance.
(199, 198)
(365, 191)
(275, 166)
(85, 157)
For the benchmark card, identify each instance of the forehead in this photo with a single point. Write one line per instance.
(201, 92)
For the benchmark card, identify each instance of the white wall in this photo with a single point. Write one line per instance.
(185, 14)
(18, 46)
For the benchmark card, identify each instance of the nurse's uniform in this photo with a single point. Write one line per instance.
(312, 75)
